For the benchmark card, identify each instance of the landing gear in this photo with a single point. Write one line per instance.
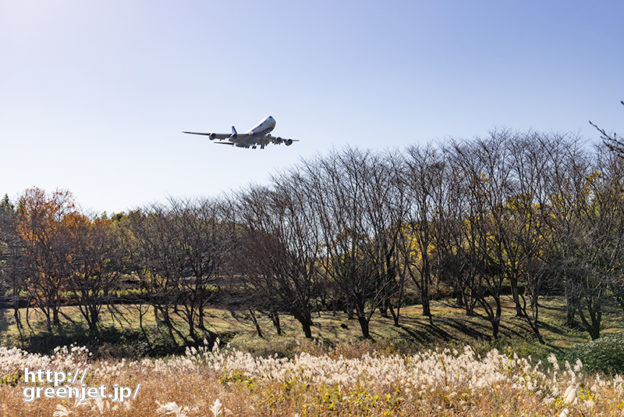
(254, 147)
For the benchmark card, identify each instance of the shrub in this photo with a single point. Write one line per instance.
(605, 354)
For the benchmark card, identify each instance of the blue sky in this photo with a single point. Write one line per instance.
(94, 95)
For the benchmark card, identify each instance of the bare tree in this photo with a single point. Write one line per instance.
(388, 205)
(453, 263)
(42, 227)
(338, 187)
(422, 177)
(612, 141)
(95, 267)
(205, 240)
(179, 250)
(485, 182)
(282, 250)
(153, 260)
(527, 207)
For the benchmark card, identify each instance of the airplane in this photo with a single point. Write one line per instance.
(259, 135)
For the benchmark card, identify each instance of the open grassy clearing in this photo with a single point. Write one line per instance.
(121, 336)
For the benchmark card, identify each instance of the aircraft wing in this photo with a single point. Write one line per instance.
(212, 136)
(245, 140)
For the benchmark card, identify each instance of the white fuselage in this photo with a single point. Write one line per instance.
(264, 127)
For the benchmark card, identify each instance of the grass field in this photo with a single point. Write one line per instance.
(448, 368)
(451, 327)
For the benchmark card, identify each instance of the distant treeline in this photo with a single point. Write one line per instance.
(528, 213)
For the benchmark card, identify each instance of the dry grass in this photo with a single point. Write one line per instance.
(431, 383)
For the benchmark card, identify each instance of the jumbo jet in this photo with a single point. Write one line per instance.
(260, 135)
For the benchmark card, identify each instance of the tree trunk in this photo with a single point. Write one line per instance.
(364, 327)
(595, 315)
(55, 317)
(424, 289)
(192, 332)
(200, 317)
(276, 322)
(16, 315)
(147, 340)
(570, 308)
(495, 328)
(395, 316)
(515, 294)
(94, 317)
(426, 305)
(166, 320)
(497, 317)
(255, 322)
(307, 329)
(459, 298)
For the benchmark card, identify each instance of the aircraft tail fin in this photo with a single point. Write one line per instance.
(234, 133)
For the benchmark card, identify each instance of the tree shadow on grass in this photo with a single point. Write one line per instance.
(462, 326)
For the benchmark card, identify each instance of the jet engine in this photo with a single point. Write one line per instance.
(278, 140)
(288, 142)
(212, 136)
